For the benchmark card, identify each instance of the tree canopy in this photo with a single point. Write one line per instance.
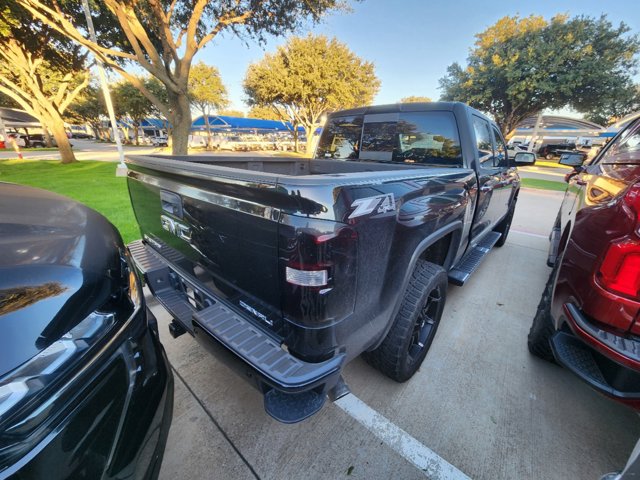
(206, 90)
(309, 76)
(414, 99)
(521, 66)
(231, 113)
(40, 70)
(89, 108)
(264, 113)
(614, 108)
(162, 37)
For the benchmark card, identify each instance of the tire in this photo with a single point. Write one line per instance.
(549, 156)
(504, 226)
(542, 326)
(404, 348)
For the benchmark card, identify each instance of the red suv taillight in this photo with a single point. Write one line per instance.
(619, 271)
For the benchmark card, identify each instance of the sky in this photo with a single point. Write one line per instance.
(410, 42)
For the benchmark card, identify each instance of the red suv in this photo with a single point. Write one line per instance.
(588, 317)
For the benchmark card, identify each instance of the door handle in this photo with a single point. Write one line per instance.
(171, 203)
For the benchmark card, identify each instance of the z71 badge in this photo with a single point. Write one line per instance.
(378, 204)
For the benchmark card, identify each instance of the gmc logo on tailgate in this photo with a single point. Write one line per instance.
(180, 230)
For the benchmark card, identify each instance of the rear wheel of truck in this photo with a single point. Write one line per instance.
(542, 326)
(405, 346)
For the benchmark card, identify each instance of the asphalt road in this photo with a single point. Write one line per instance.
(83, 149)
(480, 403)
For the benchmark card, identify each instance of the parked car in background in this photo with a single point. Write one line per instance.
(20, 139)
(232, 143)
(512, 149)
(588, 319)
(553, 150)
(197, 141)
(38, 140)
(86, 391)
(82, 136)
(160, 141)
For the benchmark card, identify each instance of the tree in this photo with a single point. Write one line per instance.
(521, 66)
(206, 92)
(264, 113)
(7, 102)
(307, 77)
(163, 36)
(231, 113)
(40, 70)
(89, 108)
(129, 103)
(614, 108)
(414, 99)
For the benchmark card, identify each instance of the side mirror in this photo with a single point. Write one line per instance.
(572, 159)
(525, 158)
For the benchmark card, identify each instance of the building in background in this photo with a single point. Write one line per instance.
(552, 129)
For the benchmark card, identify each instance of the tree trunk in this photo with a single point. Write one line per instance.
(47, 137)
(60, 134)
(295, 137)
(309, 131)
(206, 122)
(136, 129)
(181, 122)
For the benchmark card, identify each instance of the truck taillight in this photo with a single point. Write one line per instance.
(619, 271)
(319, 270)
(318, 277)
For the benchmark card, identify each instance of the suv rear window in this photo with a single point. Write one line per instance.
(425, 138)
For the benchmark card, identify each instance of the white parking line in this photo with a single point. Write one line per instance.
(530, 234)
(430, 463)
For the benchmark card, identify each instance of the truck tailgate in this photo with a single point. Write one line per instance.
(224, 231)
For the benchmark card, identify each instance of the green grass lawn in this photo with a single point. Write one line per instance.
(93, 183)
(544, 184)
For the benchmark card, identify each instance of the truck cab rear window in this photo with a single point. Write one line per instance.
(341, 138)
(424, 138)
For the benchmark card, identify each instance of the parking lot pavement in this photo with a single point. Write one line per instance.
(480, 401)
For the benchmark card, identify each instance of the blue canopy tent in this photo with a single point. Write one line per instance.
(241, 124)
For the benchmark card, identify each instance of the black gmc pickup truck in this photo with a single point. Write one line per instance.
(290, 268)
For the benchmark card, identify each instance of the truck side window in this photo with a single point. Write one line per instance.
(484, 144)
(341, 138)
(500, 158)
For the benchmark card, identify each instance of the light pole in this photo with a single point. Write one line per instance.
(121, 171)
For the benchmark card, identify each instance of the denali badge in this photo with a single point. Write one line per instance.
(261, 316)
(379, 204)
(178, 229)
